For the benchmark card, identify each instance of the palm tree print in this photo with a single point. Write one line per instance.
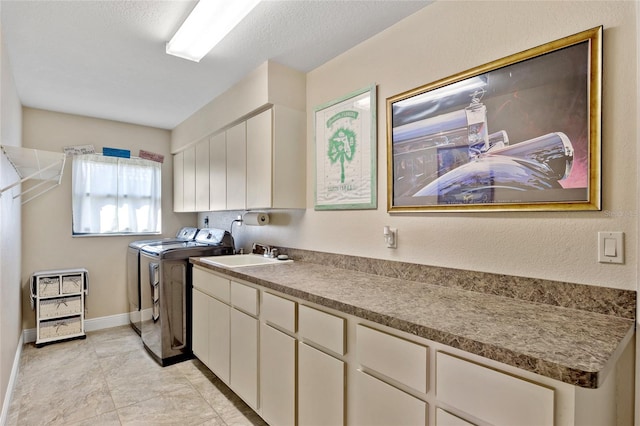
(342, 146)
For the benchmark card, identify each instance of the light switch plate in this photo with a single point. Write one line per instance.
(611, 247)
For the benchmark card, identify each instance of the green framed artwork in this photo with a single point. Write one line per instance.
(346, 152)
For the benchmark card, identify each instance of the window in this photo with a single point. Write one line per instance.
(112, 195)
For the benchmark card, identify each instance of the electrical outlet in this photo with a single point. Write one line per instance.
(391, 237)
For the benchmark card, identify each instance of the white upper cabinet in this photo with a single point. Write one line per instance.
(189, 180)
(259, 160)
(276, 158)
(236, 167)
(218, 172)
(202, 175)
(178, 182)
(259, 163)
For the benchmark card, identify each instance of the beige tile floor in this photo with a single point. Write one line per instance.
(109, 379)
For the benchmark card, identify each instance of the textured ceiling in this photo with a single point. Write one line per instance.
(106, 59)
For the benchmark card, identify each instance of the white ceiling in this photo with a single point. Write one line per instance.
(106, 59)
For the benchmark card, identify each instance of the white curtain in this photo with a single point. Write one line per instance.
(113, 195)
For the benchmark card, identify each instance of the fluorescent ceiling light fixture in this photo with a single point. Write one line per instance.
(209, 22)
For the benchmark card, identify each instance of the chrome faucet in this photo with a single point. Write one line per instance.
(267, 251)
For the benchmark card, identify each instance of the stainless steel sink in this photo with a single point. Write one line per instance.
(240, 260)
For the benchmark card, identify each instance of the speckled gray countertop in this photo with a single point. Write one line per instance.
(571, 345)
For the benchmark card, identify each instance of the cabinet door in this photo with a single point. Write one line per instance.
(259, 161)
(320, 388)
(218, 172)
(189, 174)
(202, 175)
(289, 158)
(200, 326)
(219, 338)
(379, 404)
(277, 376)
(236, 144)
(178, 182)
(244, 357)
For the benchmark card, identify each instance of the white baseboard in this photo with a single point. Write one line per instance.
(12, 383)
(93, 324)
(101, 323)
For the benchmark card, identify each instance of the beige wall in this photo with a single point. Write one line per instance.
(428, 46)
(446, 38)
(46, 234)
(10, 316)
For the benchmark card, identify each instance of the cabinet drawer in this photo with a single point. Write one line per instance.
(444, 418)
(492, 396)
(393, 357)
(211, 284)
(48, 286)
(279, 311)
(60, 328)
(244, 298)
(71, 284)
(322, 328)
(60, 306)
(380, 404)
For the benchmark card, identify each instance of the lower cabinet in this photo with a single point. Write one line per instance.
(211, 333)
(320, 388)
(400, 360)
(219, 339)
(378, 404)
(506, 401)
(224, 338)
(297, 364)
(321, 375)
(200, 326)
(277, 376)
(401, 363)
(244, 357)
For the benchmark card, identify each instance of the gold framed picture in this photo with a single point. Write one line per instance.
(518, 133)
